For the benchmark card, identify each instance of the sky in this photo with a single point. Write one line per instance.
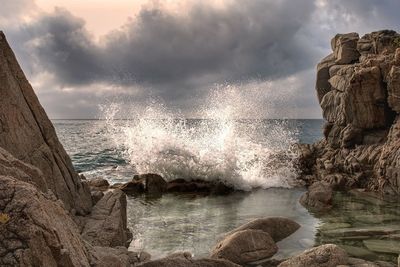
(82, 55)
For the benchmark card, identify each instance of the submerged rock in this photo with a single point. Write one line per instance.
(385, 246)
(318, 197)
(245, 246)
(323, 256)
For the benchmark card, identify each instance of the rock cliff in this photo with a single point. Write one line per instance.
(358, 87)
(27, 133)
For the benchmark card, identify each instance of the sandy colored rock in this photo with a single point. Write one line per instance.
(27, 133)
(328, 255)
(245, 246)
(183, 262)
(107, 223)
(344, 47)
(277, 227)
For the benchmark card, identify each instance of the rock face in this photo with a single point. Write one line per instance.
(27, 133)
(358, 89)
(318, 197)
(323, 256)
(245, 246)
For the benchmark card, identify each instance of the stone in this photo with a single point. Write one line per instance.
(359, 252)
(364, 231)
(245, 246)
(277, 227)
(96, 196)
(385, 246)
(39, 232)
(132, 187)
(394, 88)
(318, 197)
(322, 85)
(155, 184)
(113, 257)
(328, 255)
(183, 262)
(344, 47)
(27, 133)
(107, 223)
(98, 183)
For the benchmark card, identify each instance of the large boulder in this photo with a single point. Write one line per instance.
(35, 229)
(318, 197)
(323, 256)
(27, 133)
(107, 223)
(245, 246)
(277, 227)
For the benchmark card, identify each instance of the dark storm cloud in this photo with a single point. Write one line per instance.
(246, 39)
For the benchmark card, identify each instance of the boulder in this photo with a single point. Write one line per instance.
(107, 223)
(98, 184)
(132, 187)
(245, 246)
(184, 262)
(35, 230)
(318, 197)
(277, 227)
(115, 257)
(198, 186)
(155, 184)
(28, 134)
(344, 47)
(328, 255)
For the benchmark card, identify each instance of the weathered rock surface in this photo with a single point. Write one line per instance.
(184, 262)
(358, 89)
(277, 227)
(323, 256)
(106, 225)
(318, 197)
(27, 133)
(245, 246)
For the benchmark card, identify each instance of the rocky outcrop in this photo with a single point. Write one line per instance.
(358, 89)
(318, 197)
(27, 133)
(185, 262)
(245, 246)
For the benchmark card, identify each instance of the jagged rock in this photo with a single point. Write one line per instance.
(277, 227)
(344, 47)
(132, 187)
(323, 256)
(98, 183)
(114, 257)
(38, 231)
(183, 262)
(245, 246)
(155, 184)
(107, 223)
(318, 197)
(27, 133)
(322, 85)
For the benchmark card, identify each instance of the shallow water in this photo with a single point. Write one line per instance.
(194, 223)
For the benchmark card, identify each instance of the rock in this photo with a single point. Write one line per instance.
(318, 197)
(107, 223)
(277, 227)
(328, 255)
(245, 246)
(132, 187)
(183, 262)
(359, 252)
(113, 257)
(364, 231)
(198, 186)
(322, 85)
(38, 231)
(344, 47)
(155, 184)
(96, 196)
(27, 134)
(385, 246)
(98, 183)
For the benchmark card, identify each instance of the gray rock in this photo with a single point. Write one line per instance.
(328, 255)
(245, 246)
(28, 134)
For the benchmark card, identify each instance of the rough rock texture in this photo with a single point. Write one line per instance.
(38, 231)
(318, 197)
(277, 227)
(184, 262)
(27, 133)
(358, 87)
(106, 225)
(245, 246)
(323, 256)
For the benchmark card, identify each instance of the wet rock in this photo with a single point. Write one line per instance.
(155, 184)
(359, 252)
(385, 246)
(318, 197)
(183, 262)
(113, 257)
(245, 246)
(364, 231)
(28, 134)
(277, 227)
(198, 186)
(107, 223)
(132, 187)
(98, 184)
(328, 255)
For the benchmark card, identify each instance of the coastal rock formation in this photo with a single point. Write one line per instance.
(358, 89)
(318, 197)
(245, 246)
(184, 262)
(27, 133)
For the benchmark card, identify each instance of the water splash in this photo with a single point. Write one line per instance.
(224, 145)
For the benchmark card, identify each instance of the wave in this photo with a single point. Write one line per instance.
(241, 152)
